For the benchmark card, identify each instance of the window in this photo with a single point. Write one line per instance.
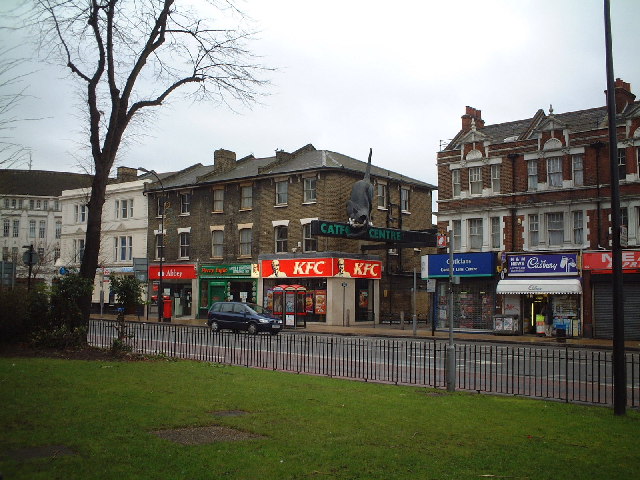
(42, 229)
(475, 180)
(309, 190)
(16, 228)
(534, 230)
(5, 227)
(58, 229)
(578, 231)
(495, 178)
(554, 171)
(495, 232)
(404, 199)
(14, 203)
(185, 203)
(78, 249)
(124, 208)
(20, 202)
(6, 203)
(160, 246)
(532, 174)
(124, 249)
(5, 253)
(555, 228)
(475, 233)
(41, 254)
(32, 204)
(80, 213)
(32, 229)
(282, 192)
(577, 170)
(56, 205)
(45, 204)
(622, 163)
(282, 236)
(245, 242)
(218, 200)
(217, 243)
(56, 253)
(160, 204)
(38, 204)
(185, 244)
(246, 201)
(310, 243)
(457, 234)
(624, 216)
(457, 186)
(382, 195)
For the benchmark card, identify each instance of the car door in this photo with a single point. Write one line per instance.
(239, 317)
(226, 315)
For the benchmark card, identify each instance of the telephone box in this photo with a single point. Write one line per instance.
(289, 304)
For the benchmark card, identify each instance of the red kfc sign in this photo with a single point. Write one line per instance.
(321, 267)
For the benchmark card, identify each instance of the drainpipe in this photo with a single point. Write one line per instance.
(597, 146)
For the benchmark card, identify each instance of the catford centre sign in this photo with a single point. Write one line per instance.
(374, 234)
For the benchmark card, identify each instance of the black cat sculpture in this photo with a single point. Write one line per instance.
(359, 206)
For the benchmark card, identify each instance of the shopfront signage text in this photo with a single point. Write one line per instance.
(321, 267)
(602, 262)
(542, 264)
(377, 234)
(464, 265)
(240, 270)
(172, 272)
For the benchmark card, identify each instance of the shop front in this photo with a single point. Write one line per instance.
(226, 282)
(103, 297)
(473, 296)
(179, 282)
(544, 291)
(597, 271)
(336, 288)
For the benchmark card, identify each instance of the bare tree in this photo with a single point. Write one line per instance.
(132, 55)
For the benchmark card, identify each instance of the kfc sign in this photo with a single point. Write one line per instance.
(321, 267)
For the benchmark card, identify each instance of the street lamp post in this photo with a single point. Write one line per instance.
(161, 244)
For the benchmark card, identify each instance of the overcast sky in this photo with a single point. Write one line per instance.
(394, 76)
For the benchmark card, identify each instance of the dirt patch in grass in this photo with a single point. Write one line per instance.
(229, 413)
(46, 451)
(204, 435)
(80, 353)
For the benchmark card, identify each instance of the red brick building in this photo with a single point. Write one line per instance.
(535, 193)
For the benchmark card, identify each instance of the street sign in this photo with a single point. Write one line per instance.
(30, 255)
(63, 271)
(374, 234)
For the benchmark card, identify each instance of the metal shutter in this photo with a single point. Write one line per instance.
(603, 311)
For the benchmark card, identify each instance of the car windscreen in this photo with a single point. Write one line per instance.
(258, 309)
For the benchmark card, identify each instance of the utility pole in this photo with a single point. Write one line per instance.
(619, 375)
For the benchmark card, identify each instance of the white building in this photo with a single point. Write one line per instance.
(124, 229)
(30, 214)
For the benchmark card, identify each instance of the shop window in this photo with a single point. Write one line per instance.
(282, 237)
(554, 171)
(309, 190)
(246, 201)
(532, 175)
(218, 200)
(555, 228)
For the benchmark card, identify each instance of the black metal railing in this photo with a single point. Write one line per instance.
(553, 372)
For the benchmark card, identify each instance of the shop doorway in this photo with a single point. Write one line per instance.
(216, 293)
(532, 313)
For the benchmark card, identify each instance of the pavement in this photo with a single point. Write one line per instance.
(422, 331)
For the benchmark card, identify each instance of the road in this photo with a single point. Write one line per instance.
(556, 372)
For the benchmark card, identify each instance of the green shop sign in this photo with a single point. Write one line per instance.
(235, 270)
(374, 234)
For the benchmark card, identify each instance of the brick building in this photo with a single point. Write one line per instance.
(225, 224)
(533, 196)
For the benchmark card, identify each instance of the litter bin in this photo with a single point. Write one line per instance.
(506, 325)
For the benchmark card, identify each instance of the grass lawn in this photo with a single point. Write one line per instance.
(105, 414)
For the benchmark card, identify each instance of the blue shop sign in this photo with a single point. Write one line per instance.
(531, 265)
(465, 265)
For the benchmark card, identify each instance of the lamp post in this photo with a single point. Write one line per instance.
(161, 244)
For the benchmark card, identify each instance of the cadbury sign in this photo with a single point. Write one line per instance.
(531, 265)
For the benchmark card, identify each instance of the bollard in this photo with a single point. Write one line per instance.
(401, 320)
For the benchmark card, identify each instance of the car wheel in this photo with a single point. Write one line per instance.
(215, 327)
(252, 329)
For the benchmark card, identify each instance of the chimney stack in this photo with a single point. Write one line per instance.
(126, 174)
(623, 95)
(224, 160)
(472, 114)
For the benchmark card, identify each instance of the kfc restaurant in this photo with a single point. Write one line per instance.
(598, 281)
(179, 281)
(334, 288)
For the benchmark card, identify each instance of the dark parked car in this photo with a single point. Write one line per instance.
(243, 316)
